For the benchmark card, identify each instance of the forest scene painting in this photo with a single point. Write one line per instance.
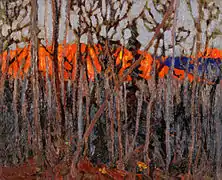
(110, 89)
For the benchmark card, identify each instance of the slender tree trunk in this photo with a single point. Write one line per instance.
(119, 130)
(218, 126)
(169, 96)
(15, 104)
(56, 7)
(35, 84)
(148, 118)
(194, 88)
(80, 104)
(112, 130)
(126, 119)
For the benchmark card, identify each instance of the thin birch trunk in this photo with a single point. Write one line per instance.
(24, 112)
(126, 119)
(80, 104)
(108, 120)
(15, 103)
(194, 87)
(148, 123)
(49, 121)
(16, 113)
(119, 131)
(112, 130)
(169, 99)
(218, 127)
(138, 113)
(199, 129)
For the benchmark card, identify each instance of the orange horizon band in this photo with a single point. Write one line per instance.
(22, 61)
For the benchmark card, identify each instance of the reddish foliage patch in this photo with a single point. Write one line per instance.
(85, 170)
(24, 171)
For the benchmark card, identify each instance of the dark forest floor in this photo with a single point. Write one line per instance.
(86, 171)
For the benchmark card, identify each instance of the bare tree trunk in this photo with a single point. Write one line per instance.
(24, 113)
(112, 130)
(80, 104)
(138, 113)
(169, 97)
(168, 119)
(148, 118)
(35, 84)
(119, 131)
(194, 87)
(199, 129)
(87, 112)
(218, 126)
(15, 98)
(56, 7)
(126, 119)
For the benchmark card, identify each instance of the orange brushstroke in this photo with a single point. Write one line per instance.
(125, 57)
(163, 72)
(145, 65)
(180, 74)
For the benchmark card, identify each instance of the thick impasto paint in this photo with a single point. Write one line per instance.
(110, 89)
(20, 62)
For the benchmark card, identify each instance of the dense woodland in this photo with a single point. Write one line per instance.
(111, 127)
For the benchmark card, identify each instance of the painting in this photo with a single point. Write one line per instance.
(111, 89)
